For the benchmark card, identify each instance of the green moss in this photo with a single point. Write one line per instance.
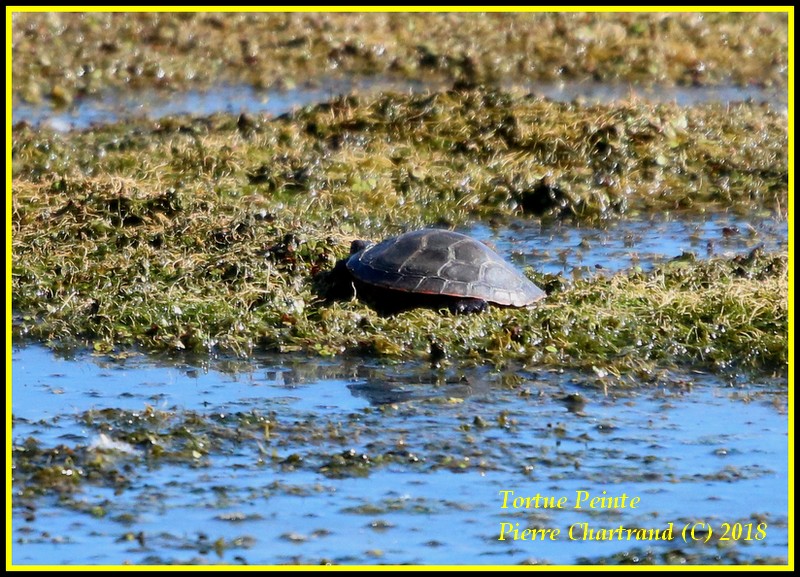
(188, 235)
(62, 56)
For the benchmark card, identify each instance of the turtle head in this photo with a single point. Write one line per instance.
(359, 245)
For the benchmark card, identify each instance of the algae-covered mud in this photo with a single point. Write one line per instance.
(215, 233)
(66, 56)
(186, 390)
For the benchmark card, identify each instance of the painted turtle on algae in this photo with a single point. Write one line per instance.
(431, 268)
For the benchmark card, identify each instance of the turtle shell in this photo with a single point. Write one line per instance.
(441, 262)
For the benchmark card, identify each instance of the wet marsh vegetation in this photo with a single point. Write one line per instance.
(199, 400)
(184, 51)
(211, 234)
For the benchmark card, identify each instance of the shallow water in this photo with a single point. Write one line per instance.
(616, 246)
(113, 107)
(693, 448)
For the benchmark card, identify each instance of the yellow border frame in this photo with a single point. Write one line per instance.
(10, 10)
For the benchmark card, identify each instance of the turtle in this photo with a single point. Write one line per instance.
(432, 268)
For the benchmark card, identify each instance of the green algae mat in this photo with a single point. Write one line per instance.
(216, 233)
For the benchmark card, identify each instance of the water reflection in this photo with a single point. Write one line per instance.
(434, 446)
(620, 245)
